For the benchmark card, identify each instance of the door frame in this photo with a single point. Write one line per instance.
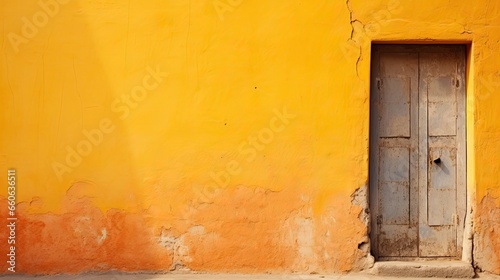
(467, 232)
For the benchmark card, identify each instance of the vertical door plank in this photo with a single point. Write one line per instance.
(442, 104)
(394, 142)
(439, 123)
(394, 186)
(395, 107)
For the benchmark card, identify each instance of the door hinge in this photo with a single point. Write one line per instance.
(379, 82)
(456, 219)
(379, 219)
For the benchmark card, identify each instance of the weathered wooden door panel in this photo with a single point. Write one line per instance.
(417, 151)
(395, 173)
(394, 185)
(398, 241)
(442, 106)
(441, 87)
(395, 107)
(441, 189)
(437, 242)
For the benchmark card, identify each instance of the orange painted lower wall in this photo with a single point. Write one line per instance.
(243, 230)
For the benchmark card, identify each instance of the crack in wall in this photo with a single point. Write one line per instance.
(352, 20)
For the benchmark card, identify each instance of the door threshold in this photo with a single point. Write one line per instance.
(436, 268)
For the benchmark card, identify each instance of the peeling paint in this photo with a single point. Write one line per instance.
(103, 236)
(360, 198)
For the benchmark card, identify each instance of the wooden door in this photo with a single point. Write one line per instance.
(417, 151)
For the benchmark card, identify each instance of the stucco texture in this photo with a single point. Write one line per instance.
(216, 135)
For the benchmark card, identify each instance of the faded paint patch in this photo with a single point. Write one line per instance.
(83, 238)
(487, 235)
(298, 233)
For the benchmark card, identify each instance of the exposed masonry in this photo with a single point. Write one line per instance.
(360, 198)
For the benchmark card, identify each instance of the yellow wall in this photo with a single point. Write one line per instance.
(216, 135)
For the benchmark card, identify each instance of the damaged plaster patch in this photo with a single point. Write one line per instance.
(305, 236)
(486, 242)
(177, 249)
(360, 198)
(299, 234)
(101, 238)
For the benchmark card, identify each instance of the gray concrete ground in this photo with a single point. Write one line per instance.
(122, 276)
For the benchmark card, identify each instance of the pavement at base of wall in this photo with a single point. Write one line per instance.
(202, 276)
